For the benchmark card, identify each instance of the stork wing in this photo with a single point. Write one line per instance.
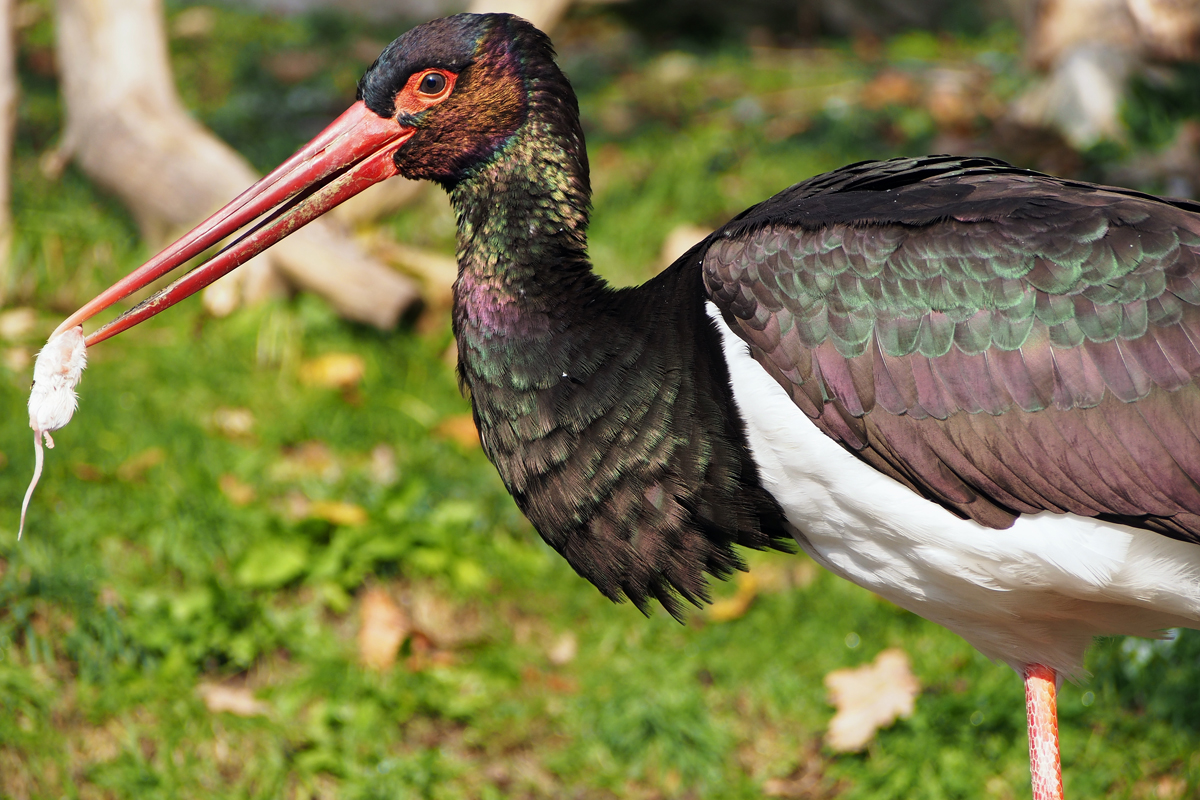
(1000, 341)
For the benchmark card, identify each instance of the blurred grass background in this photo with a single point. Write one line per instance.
(213, 522)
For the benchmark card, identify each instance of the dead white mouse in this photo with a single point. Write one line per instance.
(52, 398)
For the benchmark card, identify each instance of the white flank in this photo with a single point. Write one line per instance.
(1037, 592)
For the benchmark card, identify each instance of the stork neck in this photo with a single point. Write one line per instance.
(522, 226)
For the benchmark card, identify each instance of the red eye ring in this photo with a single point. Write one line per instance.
(425, 89)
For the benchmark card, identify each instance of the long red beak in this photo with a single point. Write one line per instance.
(355, 151)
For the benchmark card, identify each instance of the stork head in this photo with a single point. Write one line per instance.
(440, 103)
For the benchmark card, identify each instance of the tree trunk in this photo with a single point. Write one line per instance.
(128, 130)
(8, 116)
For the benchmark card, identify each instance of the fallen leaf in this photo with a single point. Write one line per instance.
(868, 698)
(333, 371)
(731, 608)
(460, 429)
(235, 423)
(235, 491)
(563, 650)
(338, 513)
(383, 628)
(238, 700)
(135, 467)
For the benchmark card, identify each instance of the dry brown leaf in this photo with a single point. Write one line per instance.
(731, 608)
(135, 467)
(237, 700)
(460, 429)
(338, 513)
(334, 371)
(383, 628)
(868, 698)
(235, 491)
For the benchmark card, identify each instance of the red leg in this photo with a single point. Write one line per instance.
(1041, 706)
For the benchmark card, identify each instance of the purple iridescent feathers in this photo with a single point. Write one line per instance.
(1001, 341)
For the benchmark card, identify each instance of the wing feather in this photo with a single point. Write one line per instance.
(1000, 341)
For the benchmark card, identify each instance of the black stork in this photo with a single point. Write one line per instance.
(964, 386)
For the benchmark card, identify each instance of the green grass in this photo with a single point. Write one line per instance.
(139, 580)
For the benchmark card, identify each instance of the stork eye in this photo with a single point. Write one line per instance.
(433, 83)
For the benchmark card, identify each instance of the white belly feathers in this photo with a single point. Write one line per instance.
(1034, 593)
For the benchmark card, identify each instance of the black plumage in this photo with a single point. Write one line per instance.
(1000, 343)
